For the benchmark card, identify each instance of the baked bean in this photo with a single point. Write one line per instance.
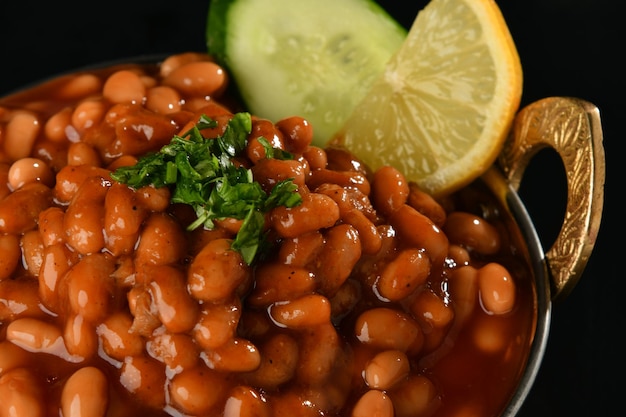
(80, 85)
(20, 135)
(434, 315)
(81, 153)
(32, 251)
(12, 356)
(279, 359)
(84, 217)
(305, 311)
(459, 255)
(51, 226)
(386, 369)
(35, 335)
(85, 394)
(426, 204)
(57, 126)
(71, 177)
(496, 288)
(341, 251)
(237, 355)
(278, 282)
(345, 298)
(414, 397)
(348, 179)
(472, 232)
(419, 231)
(19, 298)
(11, 255)
(373, 403)
(90, 288)
(270, 171)
(300, 250)
(295, 402)
(463, 289)
(404, 274)
(154, 199)
(117, 338)
(370, 239)
(320, 355)
(124, 86)
(176, 350)
(217, 324)
(200, 78)
(161, 242)
(298, 133)
(216, 272)
(172, 62)
(317, 211)
(385, 328)
(19, 211)
(144, 378)
(22, 394)
(80, 337)
(243, 401)
(5, 189)
(57, 259)
(189, 394)
(88, 113)
(175, 307)
(316, 157)
(143, 310)
(27, 170)
(163, 99)
(390, 190)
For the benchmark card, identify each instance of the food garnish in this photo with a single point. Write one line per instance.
(202, 174)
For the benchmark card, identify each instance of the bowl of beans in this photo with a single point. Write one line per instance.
(364, 297)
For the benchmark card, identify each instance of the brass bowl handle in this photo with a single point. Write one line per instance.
(573, 129)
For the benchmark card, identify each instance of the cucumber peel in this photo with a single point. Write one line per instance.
(311, 58)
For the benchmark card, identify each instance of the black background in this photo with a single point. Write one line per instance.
(567, 47)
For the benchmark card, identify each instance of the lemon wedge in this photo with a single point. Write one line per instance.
(445, 102)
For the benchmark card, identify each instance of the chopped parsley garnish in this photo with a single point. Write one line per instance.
(201, 173)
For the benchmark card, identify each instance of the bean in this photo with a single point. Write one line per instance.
(237, 355)
(80, 337)
(152, 198)
(217, 324)
(243, 401)
(317, 211)
(19, 211)
(345, 298)
(316, 157)
(172, 62)
(163, 99)
(70, 178)
(176, 350)
(278, 282)
(19, 298)
(426, 204)
(419, 231)
(407, 272)
(348, 179)
(370, 239)
(29, 170)
(161, 242)
(80, 85)
(216, 272)
(459, 255)
(337, 258)
(84, 217)
(90, 288)
(434, 315)
(300, 250)
(116, 337)
(85, 394)
(305, 311)
(32, 251)
(124, 86)
(385, 328)
(373, 403)
(36, 335)
(56, 261)
(11, 255)
(416, 396)
(386, 369)
(298, 133)
(143, 310)
(59, 125)
(5, 189)
(472, 232)
(176, 309)
(51, 226)
(201, 78)
(463, 289)
(390, 190)
(123, 218)
(20, 135)
(12, 357)
(189, 394)
(263, 128)
(496, 289)
(320, 354)
(279, 359)
(144, 378)
(22, 394)
(87, 114)
(81, 153)
(270, 171)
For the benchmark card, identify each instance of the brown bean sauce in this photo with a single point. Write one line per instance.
(374, 297)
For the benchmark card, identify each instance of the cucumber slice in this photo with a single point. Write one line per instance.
(311, 58)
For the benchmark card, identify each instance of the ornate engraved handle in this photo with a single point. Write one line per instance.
(571, 127)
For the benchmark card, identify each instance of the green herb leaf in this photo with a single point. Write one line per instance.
(201, 173)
